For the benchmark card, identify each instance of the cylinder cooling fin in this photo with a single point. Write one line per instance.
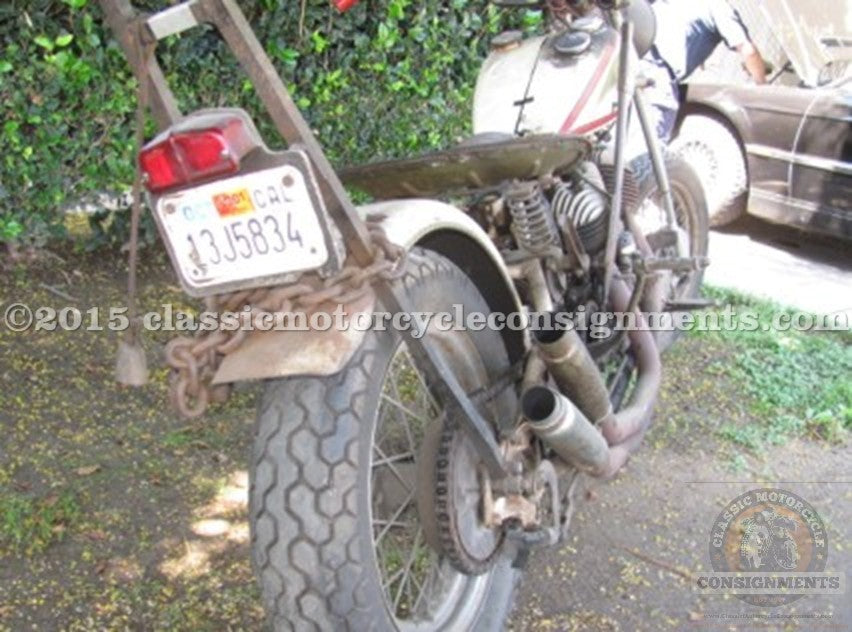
(583, 204)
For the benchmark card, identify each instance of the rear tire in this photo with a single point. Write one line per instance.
(714, 152)
(313, 472)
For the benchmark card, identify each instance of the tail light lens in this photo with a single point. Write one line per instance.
(345, 5)
(200, 148)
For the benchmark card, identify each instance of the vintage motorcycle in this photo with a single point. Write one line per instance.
(397, 481)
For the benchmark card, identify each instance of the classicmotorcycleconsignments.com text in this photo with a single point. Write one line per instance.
(19, 317)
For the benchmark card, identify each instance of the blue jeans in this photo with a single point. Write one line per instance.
(661, 97)
(662, 100)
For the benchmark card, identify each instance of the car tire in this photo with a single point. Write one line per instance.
(715, 154)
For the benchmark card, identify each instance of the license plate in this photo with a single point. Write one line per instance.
(243, 231)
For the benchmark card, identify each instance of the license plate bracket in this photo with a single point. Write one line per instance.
(261, 228)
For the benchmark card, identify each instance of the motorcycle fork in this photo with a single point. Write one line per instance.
(134, 32)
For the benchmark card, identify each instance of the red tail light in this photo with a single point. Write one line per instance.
(345, 5)
(200, 148)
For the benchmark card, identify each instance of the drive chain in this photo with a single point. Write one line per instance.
(196, 360)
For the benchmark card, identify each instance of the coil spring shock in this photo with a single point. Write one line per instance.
(533, 224)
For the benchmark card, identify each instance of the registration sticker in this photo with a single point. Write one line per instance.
(233, 204)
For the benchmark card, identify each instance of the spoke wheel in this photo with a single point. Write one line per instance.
(421, 588)
(338, 541)
(691, 217)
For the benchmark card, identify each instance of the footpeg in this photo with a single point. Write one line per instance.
(679, 264)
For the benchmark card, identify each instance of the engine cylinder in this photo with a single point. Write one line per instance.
(584, 204)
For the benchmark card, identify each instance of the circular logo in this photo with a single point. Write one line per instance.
(768, 531)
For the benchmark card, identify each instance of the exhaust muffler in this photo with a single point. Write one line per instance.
(561, 425)
(575, 372)
(564, 428)
(577, 375)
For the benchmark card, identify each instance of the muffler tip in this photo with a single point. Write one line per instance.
(548, 336)
(560, 425)
(538, 404)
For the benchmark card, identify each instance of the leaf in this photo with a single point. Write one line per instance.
(63, 40)
(87, 470)
(44, 41)
(76, 4)
(97, 535)
(5, 66)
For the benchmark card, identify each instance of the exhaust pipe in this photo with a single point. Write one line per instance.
(576, 374)
(636, 417)
(565, 429)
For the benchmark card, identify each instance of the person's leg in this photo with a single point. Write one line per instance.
(662, 121)
(661, 99)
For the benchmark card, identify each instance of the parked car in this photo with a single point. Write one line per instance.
(782, 153)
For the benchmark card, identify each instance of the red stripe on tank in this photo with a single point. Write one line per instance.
(590, 89)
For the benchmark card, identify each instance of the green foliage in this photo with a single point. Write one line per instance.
(67, 99)
(389, 78)
(798, 382)
(30, 525)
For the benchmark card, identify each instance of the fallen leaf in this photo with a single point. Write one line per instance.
(123, 571)
(97, 535)
(88, 470)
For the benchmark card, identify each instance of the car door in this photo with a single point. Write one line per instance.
(774, 115)
(821, 170)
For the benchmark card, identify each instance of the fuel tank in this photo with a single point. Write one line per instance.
(562, 83)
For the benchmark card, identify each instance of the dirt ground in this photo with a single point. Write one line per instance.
(638, 540)
(116, 514)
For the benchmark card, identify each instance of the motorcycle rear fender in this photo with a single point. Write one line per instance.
(410, 223)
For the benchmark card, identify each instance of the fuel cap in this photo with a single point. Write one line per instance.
(588, 24)
(572, 43)
(507, 40)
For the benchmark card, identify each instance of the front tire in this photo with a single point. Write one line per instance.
(691, 214)
(317, 549)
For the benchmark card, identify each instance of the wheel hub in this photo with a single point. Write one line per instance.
(450, 501)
